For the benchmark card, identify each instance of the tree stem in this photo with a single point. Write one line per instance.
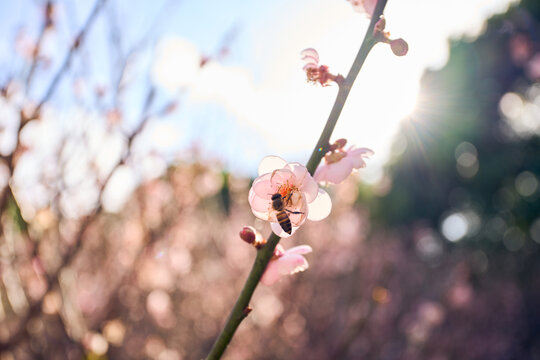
(264, 254)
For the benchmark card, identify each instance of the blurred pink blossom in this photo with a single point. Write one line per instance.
(301, 195)
(339, 164)
(364, 6)
(285, 262)
(311, 57)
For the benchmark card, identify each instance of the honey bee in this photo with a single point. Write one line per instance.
(278, 204)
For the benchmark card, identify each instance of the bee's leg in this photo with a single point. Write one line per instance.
(293, 212)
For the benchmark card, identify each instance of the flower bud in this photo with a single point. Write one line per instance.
(246, 310)
(399, 47)
(248, 234)
(379, 26)
(339, 144)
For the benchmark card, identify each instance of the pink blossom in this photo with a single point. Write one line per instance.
(300, 194)
(316, 73)
(364, 6)
(339, 164)
(285, 262)
(311, 57)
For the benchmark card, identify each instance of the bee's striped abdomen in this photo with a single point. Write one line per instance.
(284, 221)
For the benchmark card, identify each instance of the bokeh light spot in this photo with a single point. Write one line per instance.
(526, 184)
(380, 295)
(535, 231)
(455, 227)
(514, 239)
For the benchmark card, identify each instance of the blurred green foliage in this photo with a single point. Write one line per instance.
(461, 153)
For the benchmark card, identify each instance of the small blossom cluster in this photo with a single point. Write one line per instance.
(339, 163)
(399, 46)
(286, 195)
(317, 73)
(283, 262)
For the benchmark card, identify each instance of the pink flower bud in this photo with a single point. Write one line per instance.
(399, 47)
(338, 144)
(248, 234)
(379, 26)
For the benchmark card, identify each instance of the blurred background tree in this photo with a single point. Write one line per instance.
(468, 165)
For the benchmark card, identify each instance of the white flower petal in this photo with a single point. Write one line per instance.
(309, 188)
(290, 264)
(259, 206)
(302, 249)
(310, 52)
(311, 61)
(263, 187)
(310, 66)
(276, 228)
(271, 274)
(282, 176)
(279, 250)
(321, 207)
(299, 172)
(271, 163)
(339, 171)
(356, 157)
(320, 173)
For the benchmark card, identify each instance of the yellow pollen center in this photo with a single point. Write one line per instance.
(286, 190)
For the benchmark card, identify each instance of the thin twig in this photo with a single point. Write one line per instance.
(66, 63)
(264, 255)
(52, 280)
(25, 119)
(46, 25)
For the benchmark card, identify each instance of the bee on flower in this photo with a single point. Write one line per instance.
(315, 72)
(285, 194)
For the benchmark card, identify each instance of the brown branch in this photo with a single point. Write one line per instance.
(35, 59)
(66, 63)
(25, 118)
(52, 281)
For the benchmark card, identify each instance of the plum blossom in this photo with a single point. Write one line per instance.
(338, 163)
(301, 195)
(316, 73)
(364, 6)
(285, 262)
